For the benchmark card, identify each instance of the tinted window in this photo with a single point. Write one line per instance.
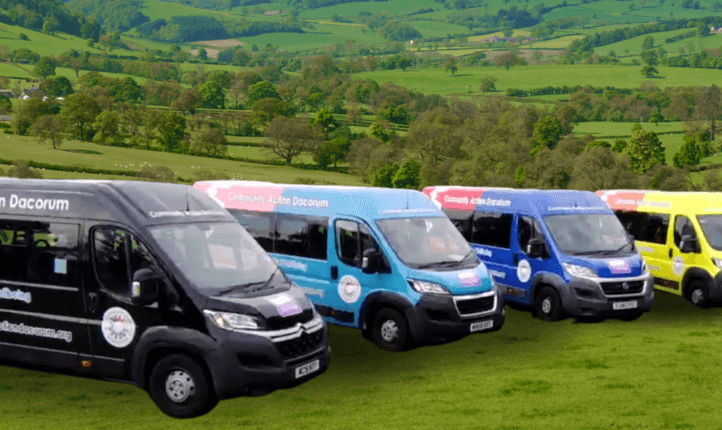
(39, 252)
(682, 227)
(493, 229)
(258, 224)
(528, 229)
(462, 221)
(646, 227)
(302, 236)
(352, 239)
(117, 255)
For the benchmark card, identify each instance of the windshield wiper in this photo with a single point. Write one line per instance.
(263, 285)
(614, 251)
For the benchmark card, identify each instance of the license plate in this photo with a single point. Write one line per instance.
(482, 325)
(307, 368)
(618, 306)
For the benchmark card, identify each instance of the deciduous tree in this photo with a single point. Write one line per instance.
(78, 113)
(289, 137)
(644, 150)
(49, 128)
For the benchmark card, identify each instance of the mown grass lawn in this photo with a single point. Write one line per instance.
(661, 371)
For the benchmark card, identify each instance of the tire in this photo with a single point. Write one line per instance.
(698, 294)
(390, 331)
(180, 387)
(631, 317)
(548, 305)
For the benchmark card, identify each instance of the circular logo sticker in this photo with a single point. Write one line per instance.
(349, 289)
(523, 271)
(118, 327)
(678, 265)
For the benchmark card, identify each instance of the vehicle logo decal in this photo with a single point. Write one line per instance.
(349, 289)
(468, 279)
(285, 304)
(619, 266)
(523, 271)
(118, 327)
(678, 265)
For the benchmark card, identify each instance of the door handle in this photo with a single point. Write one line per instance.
(334, 272)
(92, 302)
(670, 252)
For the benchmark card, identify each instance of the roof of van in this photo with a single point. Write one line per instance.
(145, 203)
(511, 199)
(631, 200)
(365, 202)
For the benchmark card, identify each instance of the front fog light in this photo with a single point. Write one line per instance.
(231, 321)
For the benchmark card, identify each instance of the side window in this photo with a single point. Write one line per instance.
(492, 229)
(461, 220)
(117, 254)
(302, 236)
(646, 227)
(527, 229)
(258, 224)
(682, 227)
(351, 240)
(39, 252)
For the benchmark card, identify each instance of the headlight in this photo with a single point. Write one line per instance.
(717, 262)
(427, 287)
(645, 269)
(231, 321)
(579, 271)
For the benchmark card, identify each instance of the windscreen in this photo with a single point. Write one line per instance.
(712, 229)
(424, 243)
(589, 234)
(215, 256)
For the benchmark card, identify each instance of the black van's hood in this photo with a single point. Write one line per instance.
(279, 310)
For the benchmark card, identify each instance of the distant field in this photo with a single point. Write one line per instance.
(558, 43)
(44, 44)
(9, 69)
(438, 81)
(515, 33)
(391, 8)
(431, 29)
(634, 45)
(85, 154)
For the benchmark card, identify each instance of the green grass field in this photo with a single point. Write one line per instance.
(85, 154)
(391, 8)
(45, 44)
(659, 372)
(438, 81)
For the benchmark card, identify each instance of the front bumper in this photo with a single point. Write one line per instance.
(437, 318)
(247, 364)
(586, 298)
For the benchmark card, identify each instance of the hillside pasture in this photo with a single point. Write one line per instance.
(44, 44)
(392, 9)
(85, 154)
(634, 45)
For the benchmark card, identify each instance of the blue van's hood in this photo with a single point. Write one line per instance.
(613, 267)
(458, 282)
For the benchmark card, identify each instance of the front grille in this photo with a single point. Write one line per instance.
(301, 345)
(475, 306)
(621, 288)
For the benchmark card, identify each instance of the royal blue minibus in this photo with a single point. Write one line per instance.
(556, 252)
(386, 261)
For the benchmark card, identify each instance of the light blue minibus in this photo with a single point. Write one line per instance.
(386, 261)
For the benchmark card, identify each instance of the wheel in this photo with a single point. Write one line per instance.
(697, 294)
(180, 387)
(548, 304)
(630, 317)
(390, 331)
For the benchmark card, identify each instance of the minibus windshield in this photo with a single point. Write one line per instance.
(589, 234)
(712, 229)
(216, 256)
(425, 243)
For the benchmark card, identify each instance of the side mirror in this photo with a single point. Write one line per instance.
(144, 288)
(688, 244)
(535, 248)
(371, 261)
